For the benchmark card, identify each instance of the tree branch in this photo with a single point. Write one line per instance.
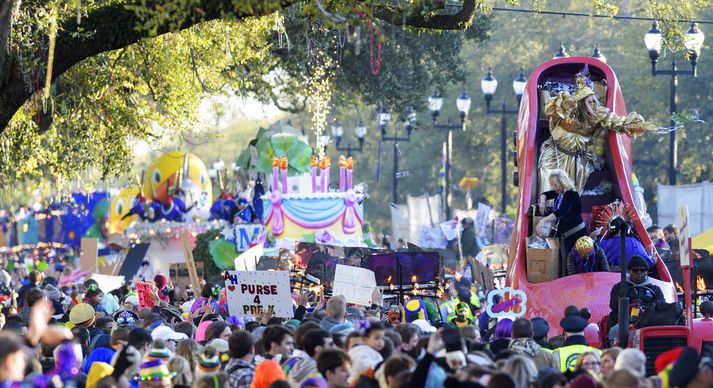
(416, 18)
(109, 28)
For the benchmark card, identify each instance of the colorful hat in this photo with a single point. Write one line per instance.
(98, 371)
(82, 315)
(414, 309)
(154, 370)
(208, 362)
(125, 317)
(583, 244)
(266, 373)
(158, 354)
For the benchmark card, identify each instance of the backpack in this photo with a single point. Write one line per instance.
(661, 314)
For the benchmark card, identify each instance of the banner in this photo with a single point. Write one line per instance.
(144, 290)
(355, 284)
(246, 235)
(252, 292)
(108, 283)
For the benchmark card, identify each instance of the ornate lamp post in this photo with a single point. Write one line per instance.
(338, 132)
(489, 84)
(693, 42)
(383, 118)
(435, 103)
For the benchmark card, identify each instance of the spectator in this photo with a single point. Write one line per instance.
(300, 368)
(521, 369)
(336, 312)
(633, 360)
(503, 332)
(334, 365)
(522, 343)
(590, 362)
(278, 342)
(240, 368)
(609, 357)
(183, 376)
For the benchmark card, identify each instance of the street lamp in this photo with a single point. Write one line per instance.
(489, 84)
(383, 118)
(693, 41)
(435, 103)
(338, 131)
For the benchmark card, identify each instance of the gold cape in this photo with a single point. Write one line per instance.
(576, 148)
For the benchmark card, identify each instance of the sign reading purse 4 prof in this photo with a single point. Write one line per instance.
(253, 292)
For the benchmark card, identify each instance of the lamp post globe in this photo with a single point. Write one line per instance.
(360, 131)
(463, 105)
(653, 40)
(518, 85)
(694, 38)
(488, 85)
(435, 103)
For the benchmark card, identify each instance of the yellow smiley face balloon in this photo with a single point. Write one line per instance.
(120, 206)
(186, 168)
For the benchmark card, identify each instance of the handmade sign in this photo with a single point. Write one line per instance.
(246, 235)
(510, 303)
(247, 261)
(144, 290)
(253, 292)
(354, 284)
(108, 282)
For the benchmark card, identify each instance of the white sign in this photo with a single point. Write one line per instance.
(683, 235)
(246, 234)
(247, 261)
(252, 292)
(107, 282)
(355, 284)
(512, 303)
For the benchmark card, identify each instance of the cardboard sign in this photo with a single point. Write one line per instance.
(354, 284)
(88, 254)
(683, 237)
(511, 303)
(252, 292)
(144, 291)
(247, 234)
(108, 283)
(247, 261)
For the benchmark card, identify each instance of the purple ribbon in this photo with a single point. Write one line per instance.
(350, 216)
(278, 217)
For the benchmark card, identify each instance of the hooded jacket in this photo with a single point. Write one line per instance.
(643, 293)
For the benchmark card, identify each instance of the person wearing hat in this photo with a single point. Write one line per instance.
(575, 344)
(154, 374)
(169, 337)
(82, 315)
(586, 257)
(468, 244)
(540, 329)
(640, 291)
(691, 372)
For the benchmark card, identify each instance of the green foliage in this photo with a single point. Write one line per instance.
(223, 253)
(201, 253)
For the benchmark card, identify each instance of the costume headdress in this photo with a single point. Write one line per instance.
(584, 244)
(584, 84)
(614, 210)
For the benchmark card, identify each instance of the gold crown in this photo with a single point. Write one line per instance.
(583, 82)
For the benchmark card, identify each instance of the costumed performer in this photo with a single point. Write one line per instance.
(579, 128)
(567, 212)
